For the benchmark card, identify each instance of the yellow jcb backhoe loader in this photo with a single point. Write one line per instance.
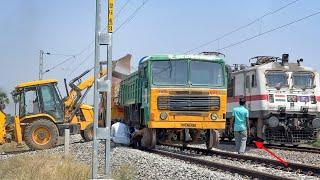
(42, 114)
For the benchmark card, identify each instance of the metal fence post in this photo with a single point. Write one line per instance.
(66, 141)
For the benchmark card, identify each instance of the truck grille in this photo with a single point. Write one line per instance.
(189, 103)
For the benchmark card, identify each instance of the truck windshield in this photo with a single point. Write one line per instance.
(174, 72)
(206, 73)
(275, 79)
(302, 79)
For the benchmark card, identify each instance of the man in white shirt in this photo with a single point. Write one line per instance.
(120, 133)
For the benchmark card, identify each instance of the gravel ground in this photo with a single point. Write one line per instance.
(139, 164)
(142, 165)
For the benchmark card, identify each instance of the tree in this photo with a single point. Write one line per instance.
(3, 97)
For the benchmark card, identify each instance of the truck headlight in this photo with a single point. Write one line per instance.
(163, 115)
(273, 121)
(214, 116)
(316, 123)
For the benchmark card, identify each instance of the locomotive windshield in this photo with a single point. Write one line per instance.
(275, 79)
(302, 79)
(170, 72)
(206, 72)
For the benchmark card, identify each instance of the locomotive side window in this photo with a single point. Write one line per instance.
(253, 81)
(231, 86)
(247, 82)
(276, 79)
(302, 80)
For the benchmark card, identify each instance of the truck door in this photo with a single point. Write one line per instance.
(144, 111)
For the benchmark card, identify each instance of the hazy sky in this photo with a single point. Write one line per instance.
(161, 26)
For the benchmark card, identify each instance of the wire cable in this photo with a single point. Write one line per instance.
(62, 62)
(130, 18)
(242, 27)
(83, 61)
(271, 30)
(120, 10)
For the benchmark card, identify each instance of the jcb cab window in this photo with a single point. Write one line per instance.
(275, 79)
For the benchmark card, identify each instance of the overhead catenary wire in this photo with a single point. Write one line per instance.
(81, 62)
(62, 62)
(271, 30)
(121, 9)
(69, 57)
(241, 27)
(131, 17)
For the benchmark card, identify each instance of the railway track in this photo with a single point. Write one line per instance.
(281, 147)
(296, 167)
(292, 148)
(217, 165)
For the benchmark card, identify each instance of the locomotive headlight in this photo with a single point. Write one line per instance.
(273, 121)
(313, 99)
(214, 116)
(163, 115)
(271, 98)
(316, 123)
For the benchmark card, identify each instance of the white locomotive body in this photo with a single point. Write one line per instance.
(283, 99)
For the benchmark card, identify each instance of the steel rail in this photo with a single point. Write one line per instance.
(306, 169)
(281, 147)
(298, 149)
(218, 165)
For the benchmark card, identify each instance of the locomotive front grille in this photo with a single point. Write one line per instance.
(189, 103)
(292, 136)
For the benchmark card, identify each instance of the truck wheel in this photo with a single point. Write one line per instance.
(149, 138)
(212, 138)
(41, 134)
(87, 133)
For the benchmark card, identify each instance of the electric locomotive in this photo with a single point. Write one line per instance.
(283, 99)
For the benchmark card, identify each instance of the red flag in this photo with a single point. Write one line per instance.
(261, 146)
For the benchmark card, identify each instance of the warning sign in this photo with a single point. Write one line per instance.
(110, 16)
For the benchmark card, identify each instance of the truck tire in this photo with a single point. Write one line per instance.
(149, 138)
(41, 134)
(87, 133)
(212, 138)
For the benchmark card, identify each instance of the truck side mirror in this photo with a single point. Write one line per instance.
(146, 83)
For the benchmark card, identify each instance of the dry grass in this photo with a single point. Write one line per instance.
(124, 172)
(11, 147)
(43, 166)
(316, 143)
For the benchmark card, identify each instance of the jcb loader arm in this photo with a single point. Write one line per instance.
(120, 68)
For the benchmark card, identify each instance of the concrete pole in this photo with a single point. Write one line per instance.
(95, 162)
(109, 92)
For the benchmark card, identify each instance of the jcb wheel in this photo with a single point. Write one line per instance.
(212, 138)
(87, 133)
(41, 134)
(149, 138)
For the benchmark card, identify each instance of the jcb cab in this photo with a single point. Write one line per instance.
(43, 114)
